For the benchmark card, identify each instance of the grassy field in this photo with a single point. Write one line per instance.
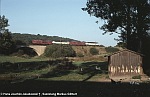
(15, 59)
(51, 73)
(39, 75)
(86, 83)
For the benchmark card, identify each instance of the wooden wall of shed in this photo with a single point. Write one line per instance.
(125, 64)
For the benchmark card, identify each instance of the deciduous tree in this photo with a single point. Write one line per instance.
(6, 44)
(129, 18)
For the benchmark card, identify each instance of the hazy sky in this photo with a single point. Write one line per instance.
(54, 18)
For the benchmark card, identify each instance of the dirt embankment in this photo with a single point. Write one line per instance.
(85, 50)
(87, 56)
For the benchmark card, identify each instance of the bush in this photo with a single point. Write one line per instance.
(101, 45)
(94, 51)
(80, 55)
(25, 51)
(111, 49)
(56, 51)
(136, 77)
(7, 47)
(65, 64)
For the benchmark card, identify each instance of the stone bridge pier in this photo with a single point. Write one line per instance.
(39, 49)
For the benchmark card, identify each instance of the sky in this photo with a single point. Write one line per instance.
(63, 18)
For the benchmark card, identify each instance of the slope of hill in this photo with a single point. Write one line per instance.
(27, 38)
(85, 50)
(87, 56)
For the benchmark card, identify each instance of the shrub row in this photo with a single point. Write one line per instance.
(28, 66)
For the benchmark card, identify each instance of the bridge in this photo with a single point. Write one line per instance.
(39, 49)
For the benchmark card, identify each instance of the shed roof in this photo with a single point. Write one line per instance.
(128, 51)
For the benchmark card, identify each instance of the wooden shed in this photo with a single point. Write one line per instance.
(125, 63)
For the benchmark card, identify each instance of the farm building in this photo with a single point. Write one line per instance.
(125, 63)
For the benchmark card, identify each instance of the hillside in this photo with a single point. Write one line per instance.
(85, 49)
(87, 56)
(27, 38)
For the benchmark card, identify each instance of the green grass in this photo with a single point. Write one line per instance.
(136, 77)
(26, 74)
(78, 63)
(69, 77)
(15, 59)
(73, 75)
(98, 76)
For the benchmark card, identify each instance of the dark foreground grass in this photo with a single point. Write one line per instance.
(53, 70)
(80, 89)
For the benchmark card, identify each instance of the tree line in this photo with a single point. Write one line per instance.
(26, 39)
